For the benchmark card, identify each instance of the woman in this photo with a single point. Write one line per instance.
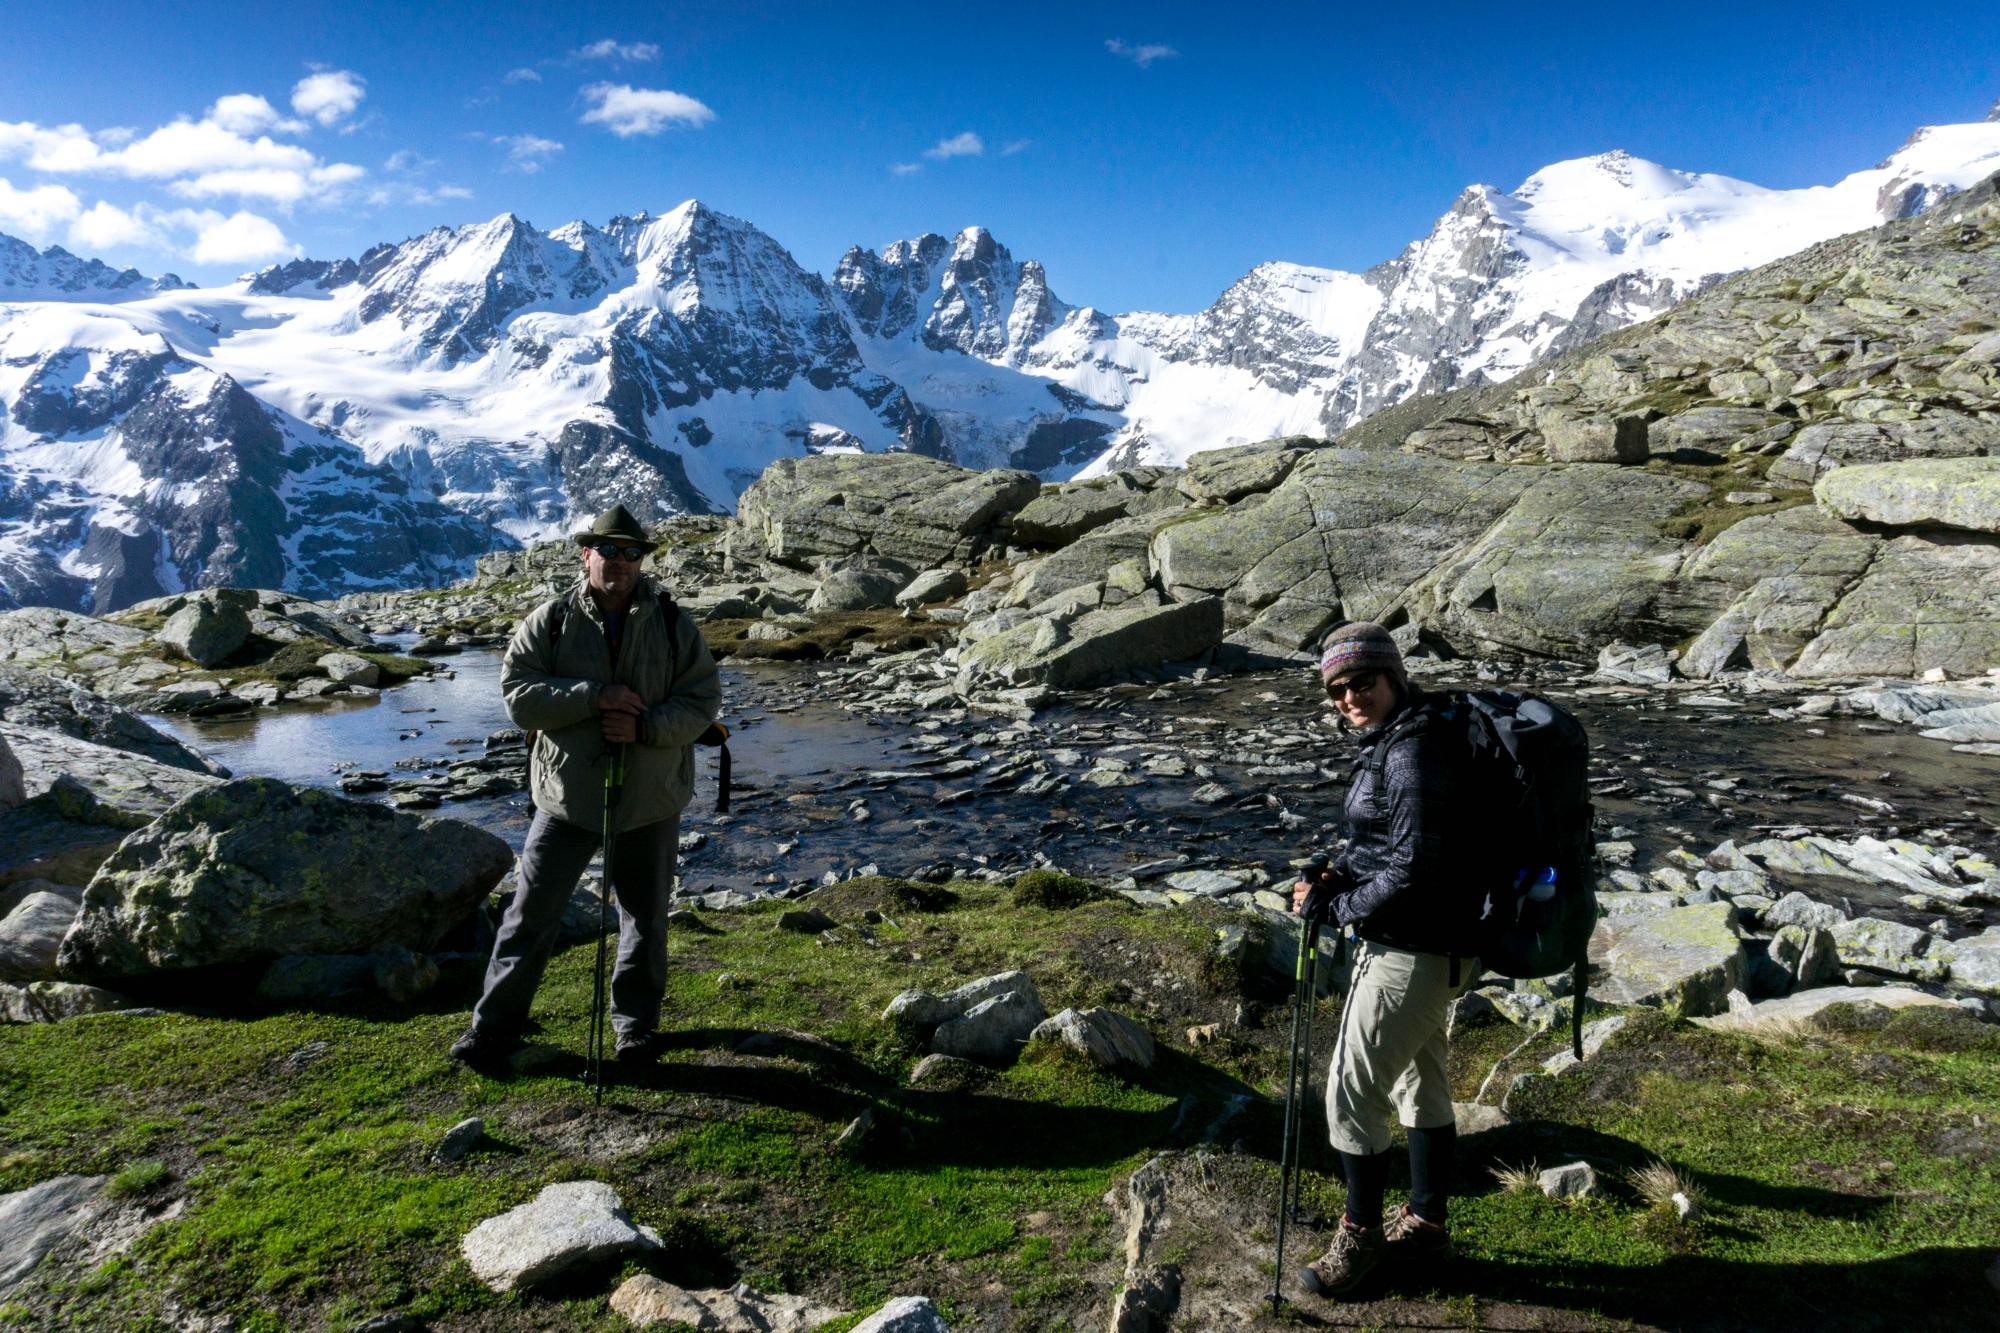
(1393, 885)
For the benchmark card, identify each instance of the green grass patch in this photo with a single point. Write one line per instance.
(1854, 1162)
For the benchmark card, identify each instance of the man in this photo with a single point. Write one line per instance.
(611, 664)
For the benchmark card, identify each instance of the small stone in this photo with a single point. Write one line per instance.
(806, 921)
(905, 1314)
(460, 1139)
(1578, 1180)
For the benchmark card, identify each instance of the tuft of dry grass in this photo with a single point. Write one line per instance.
(1661, 1186)
(1518, 1179)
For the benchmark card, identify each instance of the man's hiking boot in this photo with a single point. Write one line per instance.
(1353, 1255)
(1408, 1236)
(491, 1056)
(640, 1049)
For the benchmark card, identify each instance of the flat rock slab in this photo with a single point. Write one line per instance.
(1688, 955)
(646, 1300)
(1803, 1005)
(1974, 961)
(35, 1220)
(1919, 492)
(570, 1224)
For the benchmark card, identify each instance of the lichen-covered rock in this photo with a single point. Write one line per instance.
(350, 669)
(40, 701)
(858, 587)
(1689, 956)
(13, 787)
(206, 632)
(253, 869)
(1227, 475)
(1594, 439)
(1928, 601)
(993, 1030)
(54, 1001)
(1918, 492)
(904, 1314)
(933, 585)
(1061, 514)
(1887, 946)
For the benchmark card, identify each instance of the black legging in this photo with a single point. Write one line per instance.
(1433, 1156)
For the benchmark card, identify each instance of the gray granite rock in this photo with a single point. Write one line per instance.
(32, 932)
(569, 1224)
(1917, 492)
(993, 1030)
(205, 631)
(904, 1314)
(646, 1301)
(1103, 1036)
(1974, 961)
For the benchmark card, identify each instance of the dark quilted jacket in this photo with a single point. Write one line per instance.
(1408, 844)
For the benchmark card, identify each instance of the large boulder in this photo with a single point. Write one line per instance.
(250, 870)
(1228, 475)
(1574, 439)
(44, 636)
(858, 587)
(1095, 646)
(206, 632)
(567, 1225)
(1769, 582)
(903, 506)
(1061, 514)
(1918, 492)
(1296, 561)
(1688, 956)
(1927, 601)
(350, 669)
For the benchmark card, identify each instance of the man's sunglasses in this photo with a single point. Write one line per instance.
(1356, 684)
(613, 551)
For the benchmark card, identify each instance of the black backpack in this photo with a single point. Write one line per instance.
(717, 735)
(1533, 904)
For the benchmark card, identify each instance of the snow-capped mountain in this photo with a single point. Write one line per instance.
(355, 422)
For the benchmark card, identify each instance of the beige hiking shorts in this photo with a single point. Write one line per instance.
(1392, 1047)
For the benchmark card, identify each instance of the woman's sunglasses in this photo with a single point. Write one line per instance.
(613, 551)
(1356, 684)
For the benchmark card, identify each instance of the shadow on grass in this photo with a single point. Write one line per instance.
(1938, 1287)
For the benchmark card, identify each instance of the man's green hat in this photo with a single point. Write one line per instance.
(615, 524)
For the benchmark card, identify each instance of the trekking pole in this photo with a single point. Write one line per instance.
(1305, 979)
(614, 787)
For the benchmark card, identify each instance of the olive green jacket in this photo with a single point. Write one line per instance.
(552, 689)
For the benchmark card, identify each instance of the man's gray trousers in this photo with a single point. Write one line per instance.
(642, 880)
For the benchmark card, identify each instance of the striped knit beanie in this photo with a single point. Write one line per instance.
(1361, 646)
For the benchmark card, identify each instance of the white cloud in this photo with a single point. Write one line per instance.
(281, 187)
(33, 213)
(247, 113)
(627, 111)
(53, 149)
(404, 160)
(614, 50)
(240, 238)
(108, 227)
(329, 96)
(1017, 146)
(1141, 55)
(522, 75)
(967, 144)
(526, 152)
(905, 168)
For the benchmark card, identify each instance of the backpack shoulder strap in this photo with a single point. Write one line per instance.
(1416, 721)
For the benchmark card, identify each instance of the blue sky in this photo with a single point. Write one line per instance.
(1148, 154)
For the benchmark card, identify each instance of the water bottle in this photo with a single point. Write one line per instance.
(1544, 887)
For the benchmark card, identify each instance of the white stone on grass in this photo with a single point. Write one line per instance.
(568, 1224)
(905, 1314)
(646, 1300)
(35, 1220)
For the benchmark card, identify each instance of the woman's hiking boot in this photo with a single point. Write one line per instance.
(1407, 1236)
(1354, 1254)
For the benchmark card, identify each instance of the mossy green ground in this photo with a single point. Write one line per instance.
(1849, 1172)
